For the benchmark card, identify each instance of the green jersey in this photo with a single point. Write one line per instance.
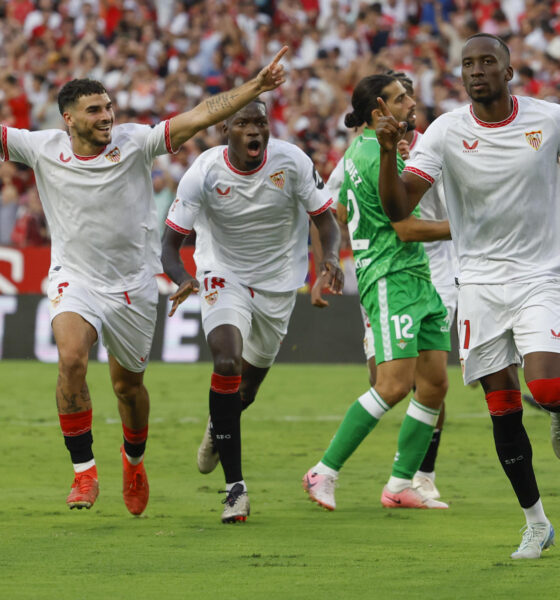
(377, 249)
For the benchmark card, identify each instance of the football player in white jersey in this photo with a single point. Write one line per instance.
(95, 187)
(499, 163)
(249, 203)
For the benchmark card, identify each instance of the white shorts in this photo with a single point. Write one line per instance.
(261, 317)
(124, 321)
(500, 324)
(448, 295)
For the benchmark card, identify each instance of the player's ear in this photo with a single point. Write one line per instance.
(509, 73)
(67, 118)
(225, 128)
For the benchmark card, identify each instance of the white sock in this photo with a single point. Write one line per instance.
(398, 484)
(431, 475)
(535, 513)
(230, 485)
(81, 467)
(322, 469)
(134, 460)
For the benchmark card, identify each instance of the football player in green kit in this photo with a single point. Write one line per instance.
(408, 318)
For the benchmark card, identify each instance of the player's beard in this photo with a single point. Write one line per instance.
(92, 136)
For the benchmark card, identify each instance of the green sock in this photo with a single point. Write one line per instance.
(355, 426)
(414, 438)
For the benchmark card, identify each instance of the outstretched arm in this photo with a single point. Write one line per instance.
(175, 269)
(220, 107)
(398, 195)
(329, 235)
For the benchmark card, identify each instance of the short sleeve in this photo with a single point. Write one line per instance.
(311, 189)
(154, 141)
(428, 158)
(190, 192)
(336, 179)
(21, 145)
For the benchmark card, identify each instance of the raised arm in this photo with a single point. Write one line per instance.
(413, 229)
(175, 269)
(220, 107)
(398, 195)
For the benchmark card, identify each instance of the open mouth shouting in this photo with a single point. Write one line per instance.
(254, 149)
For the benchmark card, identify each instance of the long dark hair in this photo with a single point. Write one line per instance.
(364, 99)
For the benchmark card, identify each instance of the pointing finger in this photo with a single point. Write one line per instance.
(383, 107)
(278, 56)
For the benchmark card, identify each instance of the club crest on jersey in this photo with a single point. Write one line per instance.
(212, 297)
(114, 155)
(534, 139)
(401, 344)
(470, 147)
(278, 179)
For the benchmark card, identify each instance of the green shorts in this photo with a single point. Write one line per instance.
(407, 316)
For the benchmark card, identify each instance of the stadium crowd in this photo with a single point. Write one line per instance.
(158, 58)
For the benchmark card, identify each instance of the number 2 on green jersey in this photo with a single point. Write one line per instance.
(362, 244)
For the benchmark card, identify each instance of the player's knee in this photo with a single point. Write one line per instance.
(126, 391)
(393, 390)
(546, 392)
(72, 363)
(227, 365)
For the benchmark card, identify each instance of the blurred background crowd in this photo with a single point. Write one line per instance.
(158, 58)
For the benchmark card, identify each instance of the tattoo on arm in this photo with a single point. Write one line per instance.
(220, 102)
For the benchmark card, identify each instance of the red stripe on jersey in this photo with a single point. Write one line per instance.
(90, 157)
(420, 173)
(75, 424)
(5, 151)
(168, 145)
(127, 298)
(499, 123)
(225, 384)
(415, 137)
(177, 228)
(322, 209)
(226, 158)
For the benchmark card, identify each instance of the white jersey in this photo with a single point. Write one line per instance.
(100, 209)
(443, 263)
(500, 185)
(252, 224)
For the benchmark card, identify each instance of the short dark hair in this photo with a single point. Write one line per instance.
(255, 101)
(364, 99)
(75, 89)
(492, 37)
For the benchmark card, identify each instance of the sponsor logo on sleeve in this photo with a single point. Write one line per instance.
(63, 158)
(319, 183)
(212, 297)
(534, 139)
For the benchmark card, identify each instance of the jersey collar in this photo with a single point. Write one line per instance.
(507, 121)
(369, 134)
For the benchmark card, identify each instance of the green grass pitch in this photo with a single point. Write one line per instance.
(289, 548)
